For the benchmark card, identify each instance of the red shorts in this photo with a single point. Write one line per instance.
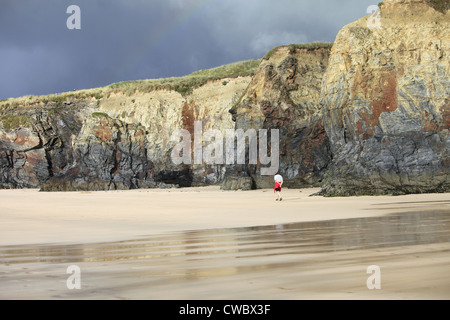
(277, 186)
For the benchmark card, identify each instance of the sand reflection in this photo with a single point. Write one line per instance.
(216, 260)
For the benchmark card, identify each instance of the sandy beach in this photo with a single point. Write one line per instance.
(33, 217)
(205, 243)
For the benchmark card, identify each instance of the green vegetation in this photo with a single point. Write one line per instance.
(76, 95)
(11, 122)
(9, 105)
(59, 98)
(98, 95)
(100, 115)
(238, 101)
(439, 5)
(233, 70)
(293, 47)
(185, 85)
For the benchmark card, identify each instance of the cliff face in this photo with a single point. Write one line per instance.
(284, 94)
(385, 101)
(36, 143)
(119, 141)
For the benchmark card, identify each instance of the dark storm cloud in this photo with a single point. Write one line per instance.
(139, 39)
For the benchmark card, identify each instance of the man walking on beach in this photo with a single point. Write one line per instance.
(278, 183)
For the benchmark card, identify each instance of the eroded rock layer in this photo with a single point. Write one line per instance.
(385, 101)
(284, 95)
(121, 141)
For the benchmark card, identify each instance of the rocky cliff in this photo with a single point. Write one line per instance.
(385, 100)
(284, 94)
(370, 115)
(118, 137)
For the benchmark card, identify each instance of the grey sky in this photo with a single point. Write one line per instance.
(141, 39)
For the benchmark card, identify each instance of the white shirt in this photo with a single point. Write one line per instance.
(278, 178)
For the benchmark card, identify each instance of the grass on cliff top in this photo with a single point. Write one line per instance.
(183, 85)
(293, 47)
(438, 5)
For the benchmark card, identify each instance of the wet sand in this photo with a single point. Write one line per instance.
(204, 243)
